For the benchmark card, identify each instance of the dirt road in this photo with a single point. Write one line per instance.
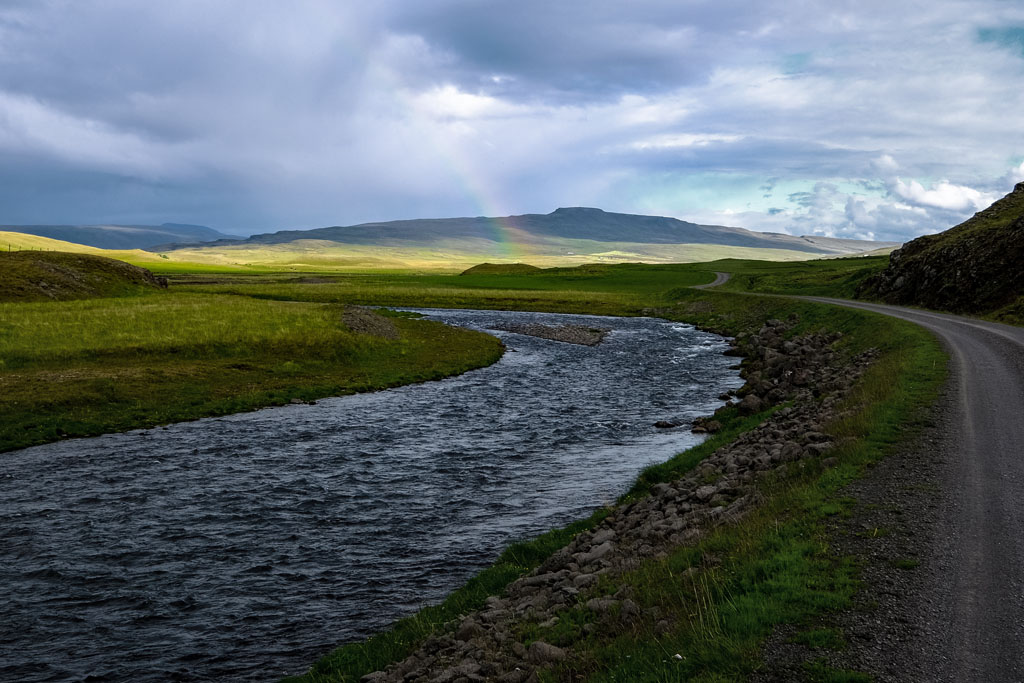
(720, 278)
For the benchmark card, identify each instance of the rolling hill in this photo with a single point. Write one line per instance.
(62, 276)
(567, 236)
(121, 236)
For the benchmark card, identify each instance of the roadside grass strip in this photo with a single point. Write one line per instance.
(717, 601)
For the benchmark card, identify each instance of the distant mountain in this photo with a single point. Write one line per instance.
(557, 227)
(975, 267)
(122, 236)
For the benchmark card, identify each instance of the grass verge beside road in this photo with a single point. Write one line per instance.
(726, 594)
(223, 344)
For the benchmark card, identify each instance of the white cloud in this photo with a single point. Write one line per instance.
(943, 195)
(1016, 175)
(449, 102)
(681, 140)
(326, 112)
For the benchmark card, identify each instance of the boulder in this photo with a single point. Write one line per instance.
(751, 404)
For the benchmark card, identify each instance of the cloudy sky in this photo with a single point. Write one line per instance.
(879, 119)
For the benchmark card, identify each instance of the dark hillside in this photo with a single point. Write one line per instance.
(976, 267)
(121, 236)
(59, 276)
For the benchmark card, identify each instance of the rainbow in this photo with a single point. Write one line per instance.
(509, 245)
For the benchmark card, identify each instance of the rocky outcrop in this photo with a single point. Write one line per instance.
(363, 320)
(570, 334)
(483, 645)
(974, 267)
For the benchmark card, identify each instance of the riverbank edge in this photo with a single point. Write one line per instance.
(308, 378)
(903, 379)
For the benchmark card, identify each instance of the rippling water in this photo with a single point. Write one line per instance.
(241, 548)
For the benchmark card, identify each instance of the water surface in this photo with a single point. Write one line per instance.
(242, 548)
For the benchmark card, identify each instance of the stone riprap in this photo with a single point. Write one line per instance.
(483, 646)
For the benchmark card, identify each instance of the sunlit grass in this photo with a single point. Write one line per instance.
(827, 277)
(90, 366)
(718, 600)
(189, 324)
(87, 367)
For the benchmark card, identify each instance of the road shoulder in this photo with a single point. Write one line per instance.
(892, 529)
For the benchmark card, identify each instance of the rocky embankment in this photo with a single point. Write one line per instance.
(362, 320)
(484, 645)
(570, 334)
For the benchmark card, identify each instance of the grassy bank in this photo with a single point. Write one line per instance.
(600, 289)
(728, 593)
(81, 368)
(219, 343)
(724, 596)
(827, 277)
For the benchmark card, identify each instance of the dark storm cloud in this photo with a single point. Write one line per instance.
(252, 115)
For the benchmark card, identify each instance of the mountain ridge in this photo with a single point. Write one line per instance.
(565, 223)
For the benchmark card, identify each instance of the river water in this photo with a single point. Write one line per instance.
(243, 547)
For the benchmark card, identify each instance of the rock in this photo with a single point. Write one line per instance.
(751, 404)
(814, 437)
(540, 652)
(818, 448)
(629, 610)
(704, 493)
(583, 580)
(682, 512)
(665, 424)
(597, 553)
(367, 321)
(468, 630)
(791, 451)
(601, 605)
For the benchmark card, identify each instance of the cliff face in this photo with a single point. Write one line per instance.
(975, 267)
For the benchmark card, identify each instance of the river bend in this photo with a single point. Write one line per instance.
(243, 547)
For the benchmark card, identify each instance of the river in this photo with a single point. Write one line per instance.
(244, 547)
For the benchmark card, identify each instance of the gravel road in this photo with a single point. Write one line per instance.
(961, 617)
(720, 279)
(969, 598)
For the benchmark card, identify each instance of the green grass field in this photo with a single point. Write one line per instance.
(81, 368)
(827, 277)
(222, 341)
(774, 568)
